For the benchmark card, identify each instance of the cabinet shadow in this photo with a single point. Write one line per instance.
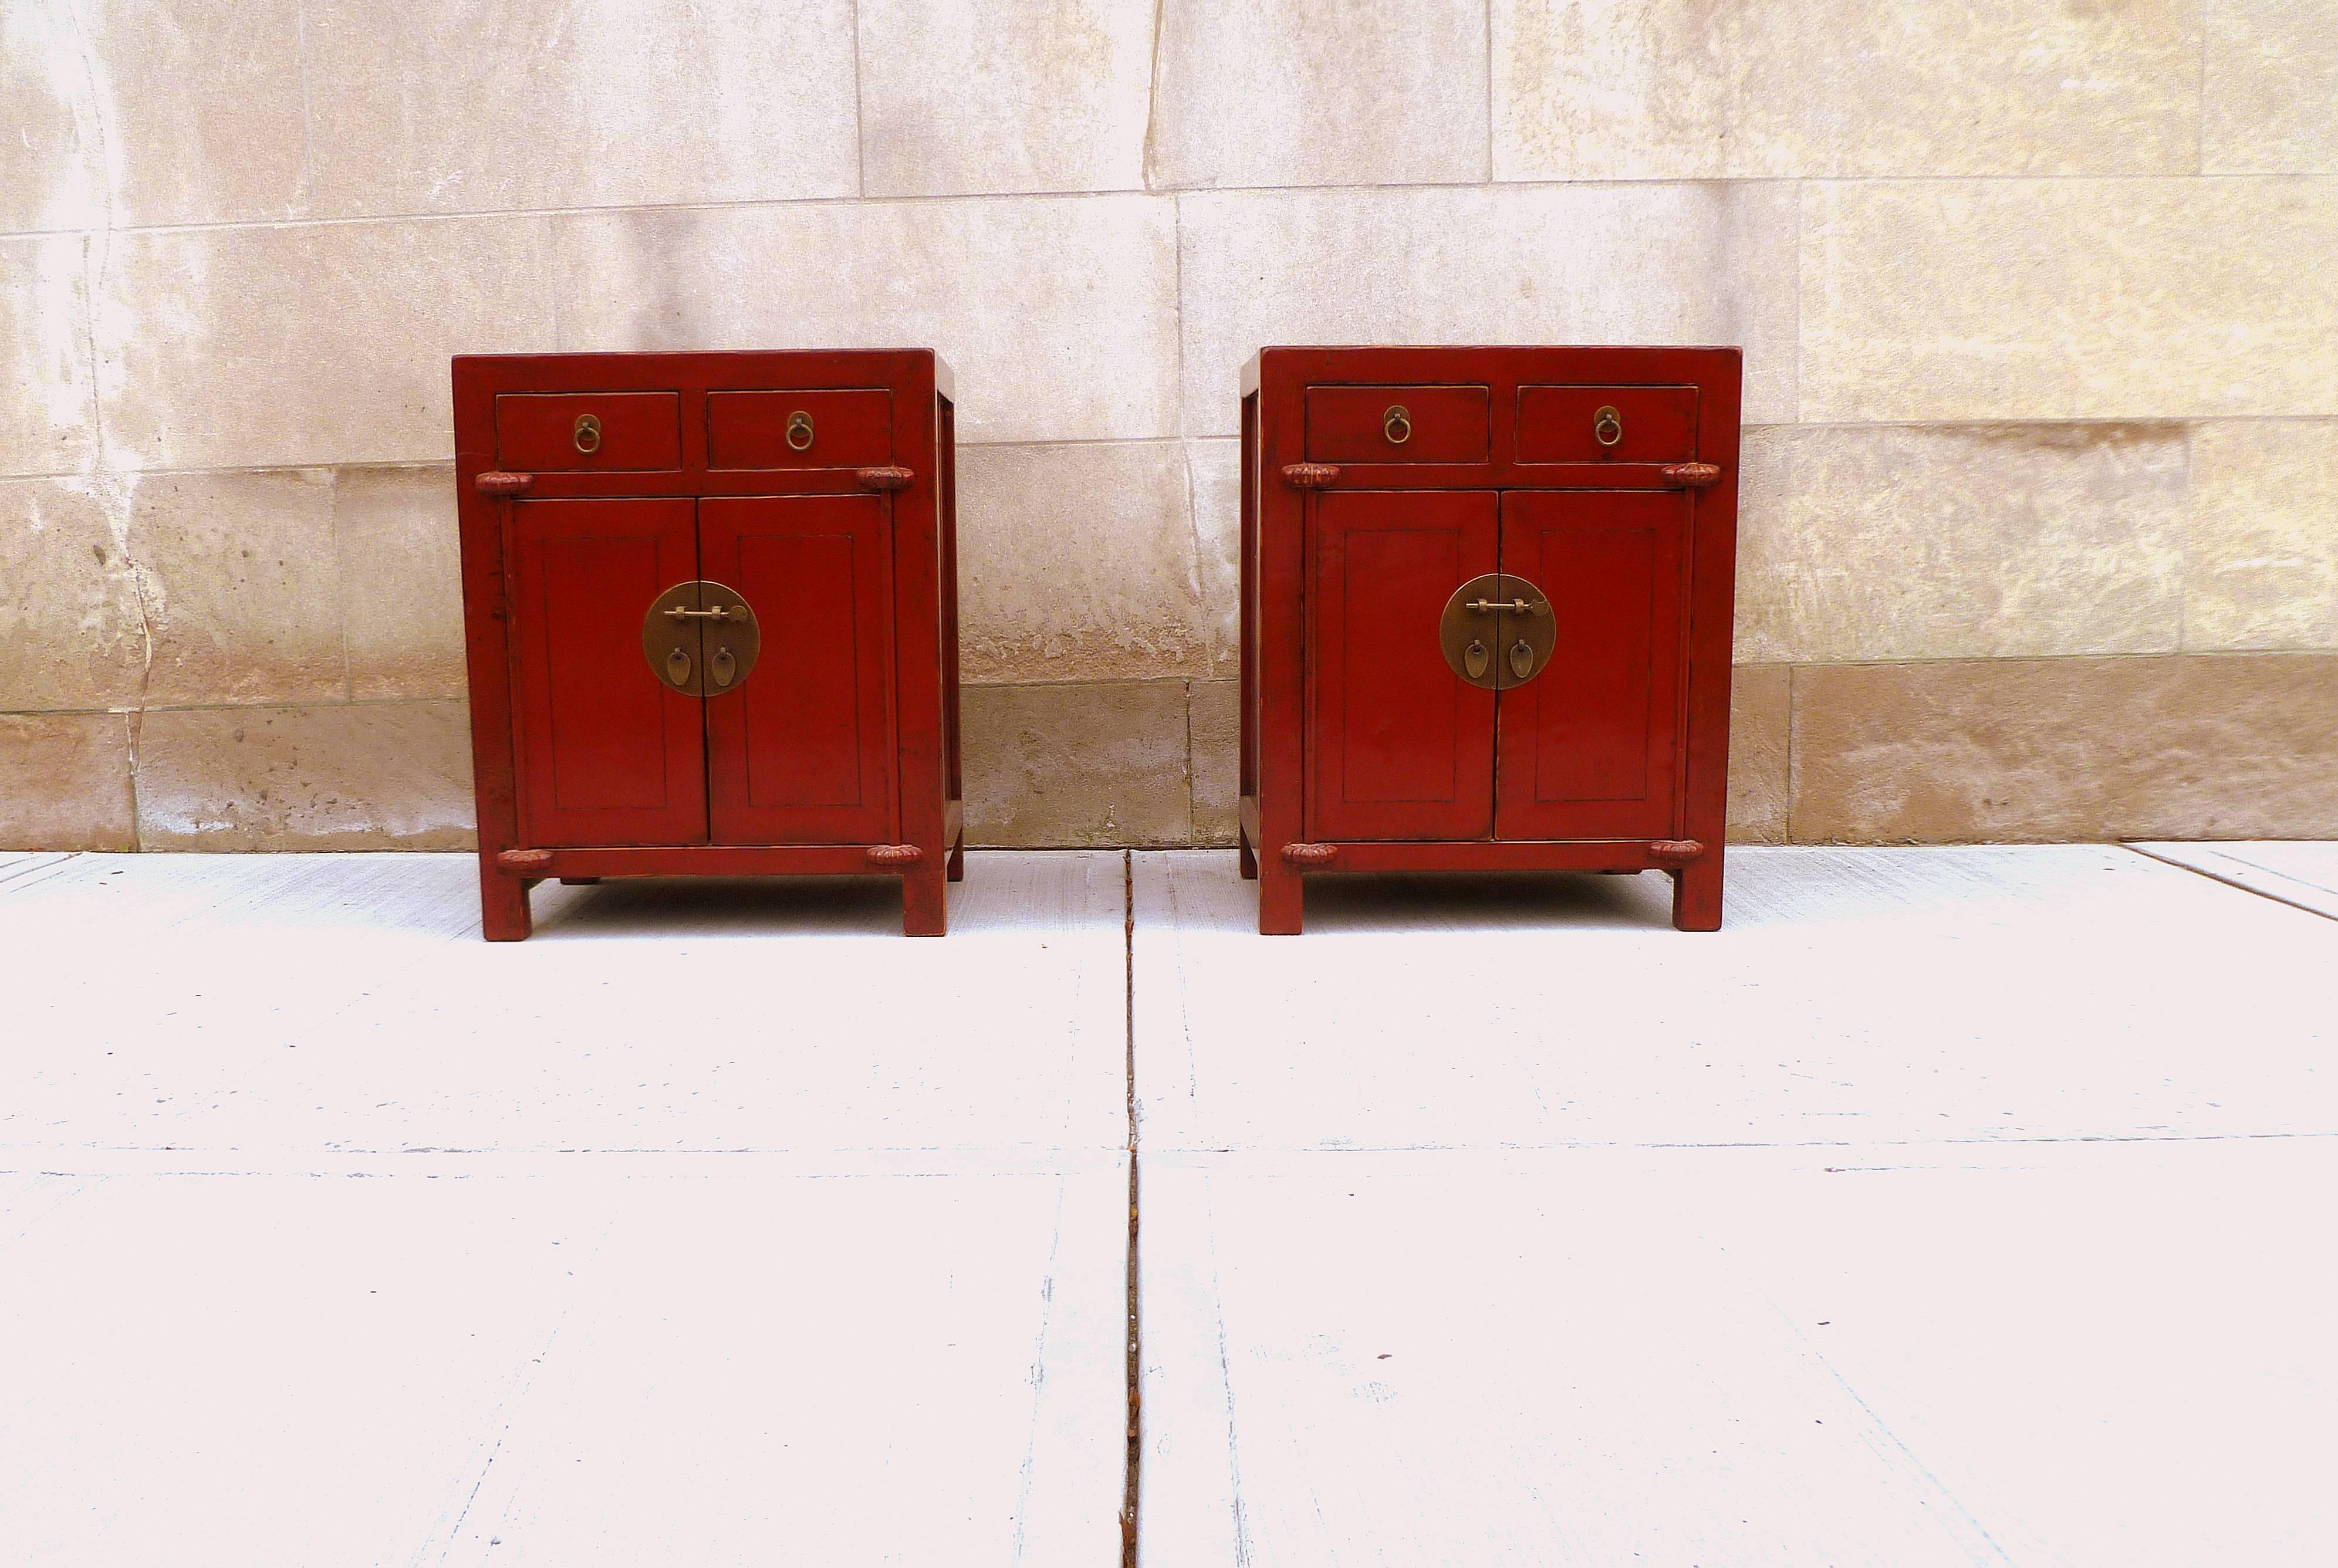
(721, 906)
(1423, 901)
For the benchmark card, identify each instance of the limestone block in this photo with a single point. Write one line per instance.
(65, 781)
(1939, 301)
(48, 398)
(309, 344)
(2261, 561)
(1058, 313)
(1761, 714)
(1215, 467)
(366, 776)
(2269, 82)
(1078, 564)
(1688, 264)
(489, 105)
(135, 115)
(1214, 720)
(1077, 765)
(1867, 542)
(401, 581)
(71, 634)
(1297, 92)
(243, 587)
(1688, 90)
(959, 98)
(2231, 746)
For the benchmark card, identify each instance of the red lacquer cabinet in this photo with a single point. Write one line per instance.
(1485, 614)
(710, 602)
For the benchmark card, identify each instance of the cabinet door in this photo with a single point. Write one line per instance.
(1401, 747)
(802, 752)
(608, 754)
(1589, 747)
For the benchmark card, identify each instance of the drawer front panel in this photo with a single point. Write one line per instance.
(1563, 424)
(852, 428)
(1399, 424)
(552, 432)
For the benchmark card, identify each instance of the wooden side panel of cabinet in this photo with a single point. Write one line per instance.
(802, 752)
(1589, 748)
(607, 754)
(1401, 749)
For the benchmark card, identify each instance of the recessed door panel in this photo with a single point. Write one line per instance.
(802, 751)
(1588, 748)
(608, 754)
(1402, 747)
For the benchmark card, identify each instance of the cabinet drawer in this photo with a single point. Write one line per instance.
(1562, 424)
(544, 432)
(852, 428)
(1397, 424)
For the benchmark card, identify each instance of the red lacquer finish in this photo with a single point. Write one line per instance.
(1377, 481)
(819, 487)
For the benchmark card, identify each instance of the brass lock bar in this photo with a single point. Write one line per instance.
(701, 639)
(1524, 629)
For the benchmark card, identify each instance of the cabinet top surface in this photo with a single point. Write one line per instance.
(712, 367)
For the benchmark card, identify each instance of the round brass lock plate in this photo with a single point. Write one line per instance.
(1497, 631)
(701, 639)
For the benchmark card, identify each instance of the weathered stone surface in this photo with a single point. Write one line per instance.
(2269, 81)
(401, 581)
(311, 344)
(71, 631)
(1214, 724)
(48, 397)
(1077, 563)
(1688, 90)
(1881, 543)
(2230, 746)
(1761, 713)
(1293, 93)
(1215, 467)
(130, 116)
(2260, 566)
(958, 98)
(486, 105)
(243, 589)
(1073, 766)
(65, 781)
(370, 775)
(1058, 313)
(1694, 264)
(1996, 300)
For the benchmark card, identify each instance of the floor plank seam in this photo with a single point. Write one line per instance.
(1134, 1373)
(2268, 893)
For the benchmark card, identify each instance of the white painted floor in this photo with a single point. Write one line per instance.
(1950, 1205)
(712, 1225)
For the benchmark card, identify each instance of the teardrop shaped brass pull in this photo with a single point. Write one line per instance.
(1521, 658)
(677, 667)
(1473, 659)
(722, 667)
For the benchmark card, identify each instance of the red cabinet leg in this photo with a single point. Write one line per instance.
(1281, 901)
(1249, 860)
(503, 905)
(925, 906)
(1697, 894)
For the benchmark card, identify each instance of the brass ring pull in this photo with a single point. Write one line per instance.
(799, 430)
(1608, 427)
(1397, 424)
(587, 434)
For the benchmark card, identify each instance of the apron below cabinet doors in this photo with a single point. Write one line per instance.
(803, 751)
(1590, 746)
(605, 754)
(1400, 748)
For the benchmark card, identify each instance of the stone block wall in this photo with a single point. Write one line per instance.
(2040, 532)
